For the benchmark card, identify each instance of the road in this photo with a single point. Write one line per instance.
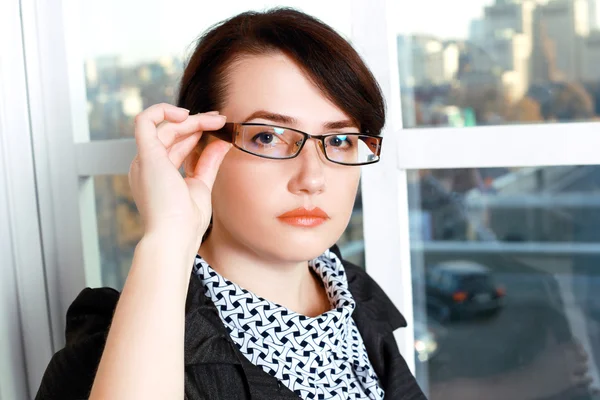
(526, 345)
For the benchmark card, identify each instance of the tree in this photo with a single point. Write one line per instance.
(570, 102)
(525, 110)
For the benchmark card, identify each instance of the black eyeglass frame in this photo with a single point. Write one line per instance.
(228, 131)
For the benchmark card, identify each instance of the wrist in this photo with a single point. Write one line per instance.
(167, 253)
(164, 261)
(174, 242)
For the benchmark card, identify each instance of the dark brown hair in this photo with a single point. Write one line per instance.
(326, 57)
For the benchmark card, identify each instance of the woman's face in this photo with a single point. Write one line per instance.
(251, 193)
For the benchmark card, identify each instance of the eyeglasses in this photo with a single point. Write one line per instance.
(278, 143)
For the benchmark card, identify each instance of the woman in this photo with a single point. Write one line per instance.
(270, 312)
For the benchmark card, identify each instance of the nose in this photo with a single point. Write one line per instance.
(309, 173)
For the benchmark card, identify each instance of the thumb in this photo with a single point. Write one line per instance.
(209, 162)
(200, 184)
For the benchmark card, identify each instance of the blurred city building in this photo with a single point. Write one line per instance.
(507, 69)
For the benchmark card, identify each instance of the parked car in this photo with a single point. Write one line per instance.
(461, 289)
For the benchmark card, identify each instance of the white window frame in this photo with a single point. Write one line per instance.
(26, 336)
(65, 161)
(385, 196)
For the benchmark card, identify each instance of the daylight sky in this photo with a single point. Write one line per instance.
(140, 30)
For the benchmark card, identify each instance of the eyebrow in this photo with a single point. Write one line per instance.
(291, 121)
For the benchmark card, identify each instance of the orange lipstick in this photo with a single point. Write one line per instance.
(302, 217)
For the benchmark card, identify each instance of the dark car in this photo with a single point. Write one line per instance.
(461, 289)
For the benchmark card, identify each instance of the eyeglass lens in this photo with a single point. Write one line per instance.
(275, 142)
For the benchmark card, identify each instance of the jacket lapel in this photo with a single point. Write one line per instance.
(377, 318)
(206, 339)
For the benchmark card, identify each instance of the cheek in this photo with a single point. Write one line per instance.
(249, 193)
(245, 186)
(341, 191)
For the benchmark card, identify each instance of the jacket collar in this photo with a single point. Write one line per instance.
(374, 308)
(207, 340)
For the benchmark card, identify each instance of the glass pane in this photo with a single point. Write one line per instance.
(492, 62)
(352, 243)
(120, 229)
(132, 63)
(505, 280)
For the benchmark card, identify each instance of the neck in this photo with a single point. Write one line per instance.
(287, 283)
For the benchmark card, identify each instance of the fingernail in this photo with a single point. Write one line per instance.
(185, 109)
(212, 113)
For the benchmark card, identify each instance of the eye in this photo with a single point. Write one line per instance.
(266, 138)
(339, 141)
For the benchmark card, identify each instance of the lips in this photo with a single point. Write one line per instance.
(304, 218)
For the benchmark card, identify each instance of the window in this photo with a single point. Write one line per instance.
(132, 63)
(516, 249)
(119, 228)
(498, 194)
(126, 70)
(495, 62)
(479, 174)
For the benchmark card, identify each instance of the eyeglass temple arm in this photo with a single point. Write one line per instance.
(226, 133)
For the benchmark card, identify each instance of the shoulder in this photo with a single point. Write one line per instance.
(90, 313)
(72, 369)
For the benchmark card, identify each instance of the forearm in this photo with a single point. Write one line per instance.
(143, 357)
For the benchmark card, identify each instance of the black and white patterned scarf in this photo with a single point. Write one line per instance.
(322, 357)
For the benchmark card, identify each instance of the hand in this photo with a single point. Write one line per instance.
(171, 206)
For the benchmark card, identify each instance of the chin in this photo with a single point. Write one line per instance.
(303, 245)
(299, 255)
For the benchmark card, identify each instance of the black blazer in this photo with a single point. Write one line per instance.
(214, 367)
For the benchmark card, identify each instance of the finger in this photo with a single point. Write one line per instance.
(180, 150)
(133, 175)
(146, 135)
(210, 161)
(171, 133)
(165, 123)
(133, 169)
